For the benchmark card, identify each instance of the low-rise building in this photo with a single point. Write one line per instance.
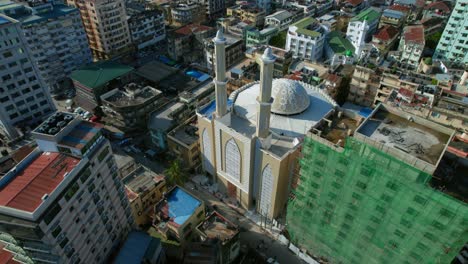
(392, 18)
(361, 28)
(183, 13)
(234, 51)
(141, 248)
(217, 228)
(94, 80)
(353, 6)
(281, 19)
(282, 62)
(178, 214)
(364, 85)
(412, 46)
(164, 120)
(385, 38)
(338, 49)
(306, 39)
(183, 143)
(255, 37)
(438, 9)
(234, 26)
(144, 189)
(130, 106)
(250, 14)
(147, 27)
(329, 21)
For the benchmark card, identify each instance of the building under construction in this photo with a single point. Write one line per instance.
(387, 188)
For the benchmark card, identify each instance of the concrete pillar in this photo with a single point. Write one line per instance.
(220, 71)
(264, 99)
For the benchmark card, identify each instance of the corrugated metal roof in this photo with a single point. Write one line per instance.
(40, 177)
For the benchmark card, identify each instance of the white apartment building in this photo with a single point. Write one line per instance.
(147, 28)
(361, 28)
(281, 19)
(65, 202)
(306, 39)
(412, 46)
(24, 97)
(105, 23)
(56, 39)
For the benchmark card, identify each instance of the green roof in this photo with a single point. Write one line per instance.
(302, 27)
(98, 74)
(338, 44)
(369, 14)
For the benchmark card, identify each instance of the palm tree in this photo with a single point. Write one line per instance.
(175, 175)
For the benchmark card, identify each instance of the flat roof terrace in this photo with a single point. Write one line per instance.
(217, 226)
(81, 135)
(24, 190)
(412, 135)
(178, 206)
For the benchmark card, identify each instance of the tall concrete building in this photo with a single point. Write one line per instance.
(24, 97)
(386, 188)
(250, 142)
(214, 8)
(65, 202)
(147, 27)
(106, 26)
(453, 43)
(56, 38)
(306, 39)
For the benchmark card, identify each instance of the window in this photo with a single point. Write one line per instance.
(71, 191)
(103, 154)
(53, 211)
(267, 189)
(85, 174)
(206, 150)
(233, 160)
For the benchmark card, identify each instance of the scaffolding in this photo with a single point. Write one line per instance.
(358, 204)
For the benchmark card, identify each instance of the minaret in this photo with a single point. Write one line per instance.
(264, 99)
(220, 70)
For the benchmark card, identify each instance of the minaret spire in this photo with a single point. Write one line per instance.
(264, 99)
(220, 71)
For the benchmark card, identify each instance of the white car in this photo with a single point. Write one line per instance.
(272, 261)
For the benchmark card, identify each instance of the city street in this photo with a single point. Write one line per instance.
(251, 235)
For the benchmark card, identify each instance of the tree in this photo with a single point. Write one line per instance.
(279, 40)
(175, 174)
(432, 40)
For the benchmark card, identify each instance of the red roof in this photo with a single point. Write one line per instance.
(192, 28)
(439, 6)
(400, 8)
(386, 33)
(40, 177)
(414, 34)
(333, 78)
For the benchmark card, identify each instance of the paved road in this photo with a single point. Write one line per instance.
(253, 234)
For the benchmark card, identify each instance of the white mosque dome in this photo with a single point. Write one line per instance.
(289, 97)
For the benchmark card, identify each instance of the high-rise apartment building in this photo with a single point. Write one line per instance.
(65, 202)
(381, 189)
(55, 36)
(214, 8)
(106, 26)
(24, 97)
(147, 27)
(453, 45)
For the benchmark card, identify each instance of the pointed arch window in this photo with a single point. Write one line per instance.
(233, 160)
(206, 150)
(266, 191)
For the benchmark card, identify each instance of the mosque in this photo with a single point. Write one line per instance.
(250, 141)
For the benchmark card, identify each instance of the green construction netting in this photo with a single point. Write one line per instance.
(361, 205)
